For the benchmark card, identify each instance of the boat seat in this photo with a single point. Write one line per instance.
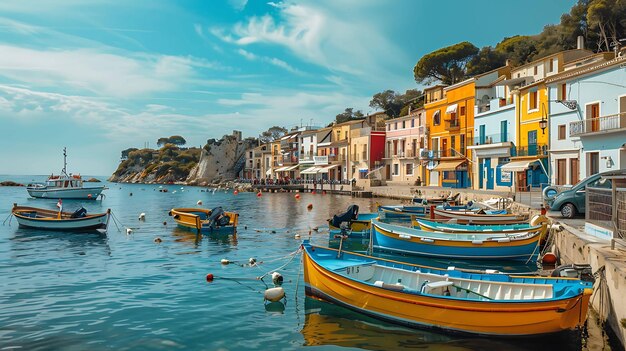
(437, 287)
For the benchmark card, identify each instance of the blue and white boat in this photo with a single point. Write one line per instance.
(398, 239)
(64, 186)
(431, 226)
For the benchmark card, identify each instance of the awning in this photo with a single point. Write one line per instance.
(291, 168)
(518, 166)
(323, 144)
(310, 170)
(269, 172)
(326, 168)
(281, 169)
(436, 114)
(448, 165)
(452, 108)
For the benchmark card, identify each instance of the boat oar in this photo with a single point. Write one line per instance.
(471, 291)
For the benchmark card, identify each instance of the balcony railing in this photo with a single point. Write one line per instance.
(600, 124)
(435, 154)
(530, 150)
(338, 158)
(453, 124)
(491, 139)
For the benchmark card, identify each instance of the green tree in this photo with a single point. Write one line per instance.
(177, 140)
(388, 101)
(348, 114)
(162, 141)
(486, 60)
(609, 18)
(274, 133)
(446, 65)
(127, 151)
(520, 49)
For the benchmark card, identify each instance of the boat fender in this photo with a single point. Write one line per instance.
(129, 231)
(477, 242)
(297, 196)
(274, 294)
(209, 277)
(451, 268)
(394, 287)
(199, 203)
(235, 192)
(549, 258)
(492, 271)
(538, 219)
(259, 194)
(277, 278)
(142, 216)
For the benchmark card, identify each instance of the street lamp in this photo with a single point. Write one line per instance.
(543, 124)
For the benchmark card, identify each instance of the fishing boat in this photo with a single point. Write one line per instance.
(402, 211)
(64, 186)
(482, 217)
(352, 220)
(535, 223)
(204, 220)
(39, 218)
(450, 300)
(399, 239)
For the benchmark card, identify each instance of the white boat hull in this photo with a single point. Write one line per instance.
(66, 224)
(68, 193)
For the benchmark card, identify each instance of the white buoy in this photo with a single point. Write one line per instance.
(274, 294)
(297, 236)
(199, 203)
(142, 216)
(174, 192)
(277, 278)
(224, 261)
(158, 240)
(252, 261)
(129, 231)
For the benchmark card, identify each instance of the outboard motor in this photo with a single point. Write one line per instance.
(223, 221)
(351, 214)
(80, 213)
(215, 214)
(580, 271)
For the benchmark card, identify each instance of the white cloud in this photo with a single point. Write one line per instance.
(97, 72)
(271, 60)
(238, 4)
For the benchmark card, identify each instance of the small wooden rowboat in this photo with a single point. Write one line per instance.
(39, 218)
(477, 217)
(204, 220)
(535, 223)
(451, 300)
(494, 245)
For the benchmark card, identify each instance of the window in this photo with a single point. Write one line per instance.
(403, 124)
(388, 126)
(346, 135)
(412, 122)
(563, 92)
(574, 169)
(396, 169)
(463, 143)
(532, 101)
(462, 112)
(503, 160)
(593, 163)
(551, 65)
(453, 143)
(409, 169)
(338, 135)
(504, 134)
(536, 70)
(437, 118)
(562, 132)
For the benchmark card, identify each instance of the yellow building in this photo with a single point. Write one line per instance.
(435, 105)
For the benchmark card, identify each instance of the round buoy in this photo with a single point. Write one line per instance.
(252, 261)
(158, 240)
(209, 277)
(131, 194)
(245, 227)
(224, 261)
(199, 203)
(309, 207)
(549, 258)
(273, 232)
(277, 278)
(164, 223)
(297, 236)
(274, 294)
(297, 196)
(235, 192)
(89, 196)
(129, 231)
(142, 216)
(259, 194)
(313, 192)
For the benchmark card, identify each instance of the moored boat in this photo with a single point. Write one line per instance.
(39, 218)
(452, 300)
(352, 220)
(64, 186)
(399, 239)
(535, 223)
(204, 220)
(482, 217)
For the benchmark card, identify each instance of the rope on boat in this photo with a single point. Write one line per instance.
(9, 218)
(293, 255)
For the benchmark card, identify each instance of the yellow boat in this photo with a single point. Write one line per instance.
(451, 300)
(204, 220)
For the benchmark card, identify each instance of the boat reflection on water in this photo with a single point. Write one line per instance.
(220, 237)
(326, 324)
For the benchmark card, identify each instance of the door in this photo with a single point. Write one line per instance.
(593, 111)
(480, 173)
(532, 143)
(593, 162)
(387, 172)
(481, 134)
(521, 181)
(561, 177)
(444, 147)
(503, 131)
(574, 170)
(489, 174)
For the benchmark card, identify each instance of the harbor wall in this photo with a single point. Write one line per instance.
(608, 300)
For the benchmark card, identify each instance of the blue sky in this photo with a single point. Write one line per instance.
(100, 76)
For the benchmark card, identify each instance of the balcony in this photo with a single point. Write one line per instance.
(608, 123)
(436, 154)
(453, 124)
(338, 158)
(530, 150)
(492, 139)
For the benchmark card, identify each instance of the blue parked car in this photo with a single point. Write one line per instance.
(572, 201)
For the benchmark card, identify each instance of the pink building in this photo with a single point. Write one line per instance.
(406, 137)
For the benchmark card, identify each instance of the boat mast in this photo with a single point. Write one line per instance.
(64, 161)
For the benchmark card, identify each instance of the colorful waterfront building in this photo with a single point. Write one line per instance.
(450, 116)
(588, 118)
(367, 148)
(288, 158)
(406, 139)
(308, 152)
(494, 130)
(529, 160)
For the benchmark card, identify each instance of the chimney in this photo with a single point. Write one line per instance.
(580, 42)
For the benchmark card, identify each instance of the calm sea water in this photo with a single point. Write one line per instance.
(62, 291)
